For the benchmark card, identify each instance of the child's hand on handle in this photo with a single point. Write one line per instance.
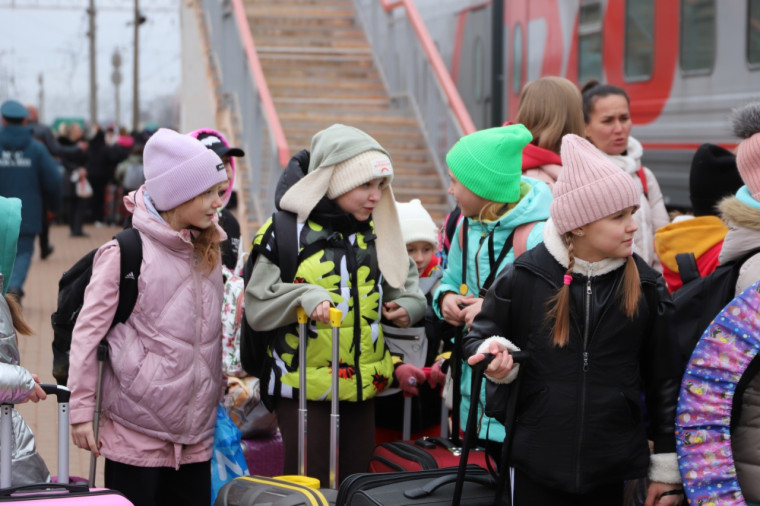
(664, 494)
(321, 313)
(471, 311)
(500, 366)
(437, 376)
(83, 435)
(37, 394)
(452, 306)
(396, 314)
(409, 378)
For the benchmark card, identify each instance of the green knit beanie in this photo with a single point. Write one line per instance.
(489, 162)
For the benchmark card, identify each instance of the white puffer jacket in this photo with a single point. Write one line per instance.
(652, 213)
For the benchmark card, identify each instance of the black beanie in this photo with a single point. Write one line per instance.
(713, 176)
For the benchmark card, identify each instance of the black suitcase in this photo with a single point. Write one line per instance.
(431, 487)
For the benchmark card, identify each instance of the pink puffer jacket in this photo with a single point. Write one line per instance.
(164, 377)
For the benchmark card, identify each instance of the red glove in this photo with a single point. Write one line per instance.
(409, 377)
(437, 376)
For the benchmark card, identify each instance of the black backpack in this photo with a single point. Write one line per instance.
(254, 344)
(71, 289)
(700, 300)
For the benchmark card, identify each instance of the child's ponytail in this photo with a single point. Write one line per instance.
(558, 307)
(630, 288)
(17, 317)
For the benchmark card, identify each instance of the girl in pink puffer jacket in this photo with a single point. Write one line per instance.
(163, 379)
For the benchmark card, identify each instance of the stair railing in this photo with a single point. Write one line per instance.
(254, 116)
(412, 68)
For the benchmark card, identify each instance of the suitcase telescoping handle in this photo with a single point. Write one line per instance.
(336, 317)
(470, 435)
(303, 319)
(6, 435)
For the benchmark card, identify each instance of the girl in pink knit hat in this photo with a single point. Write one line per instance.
(163, 378)
(593, 317)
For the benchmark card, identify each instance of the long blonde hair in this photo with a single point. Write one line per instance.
(492, 211)
(550, 108)
(17, 316)
(205, 241)
(558, 307)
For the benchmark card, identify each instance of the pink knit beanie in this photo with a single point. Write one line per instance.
(178, 168)
(590, 186)
(746, 124)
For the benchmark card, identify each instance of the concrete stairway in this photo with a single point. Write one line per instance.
(319, 68)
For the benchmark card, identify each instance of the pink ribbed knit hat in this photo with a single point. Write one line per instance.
(590, 186)
(178, 168)
(746, 124)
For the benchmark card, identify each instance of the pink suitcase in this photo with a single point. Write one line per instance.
(265, 456)
(59, 494)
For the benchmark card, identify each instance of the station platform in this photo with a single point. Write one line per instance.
(36, 353)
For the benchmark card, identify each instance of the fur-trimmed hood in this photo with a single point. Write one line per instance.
(744, 228)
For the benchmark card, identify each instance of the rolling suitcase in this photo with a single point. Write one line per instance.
(424, 453)
(466, 484)
(431, 487)
(61, 493)
(290, 490)
(264, 456)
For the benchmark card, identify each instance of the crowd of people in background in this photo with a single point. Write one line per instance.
(560, 244)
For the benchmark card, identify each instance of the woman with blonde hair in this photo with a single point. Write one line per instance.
(550, 108)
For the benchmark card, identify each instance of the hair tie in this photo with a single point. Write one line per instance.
(568, 279)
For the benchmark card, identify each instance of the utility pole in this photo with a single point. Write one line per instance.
(136, 75)
(41, 99)
(116, 80)
(93, 74)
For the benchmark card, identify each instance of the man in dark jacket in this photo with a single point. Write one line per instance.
(28, 172)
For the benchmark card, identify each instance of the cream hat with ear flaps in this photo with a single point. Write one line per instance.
(341, 159)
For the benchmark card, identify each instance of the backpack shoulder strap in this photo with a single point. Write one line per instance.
(130, 244)
(687, 267)
(285, 230)
(522, 232)
(643, 177)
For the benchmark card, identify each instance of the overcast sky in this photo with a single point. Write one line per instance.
(49, 38)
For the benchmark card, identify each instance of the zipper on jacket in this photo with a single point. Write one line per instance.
(585, 368)
(196, 346)
(353, 275)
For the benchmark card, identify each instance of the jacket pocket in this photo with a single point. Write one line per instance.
(532, 407)
(149, 366)
(624, 411)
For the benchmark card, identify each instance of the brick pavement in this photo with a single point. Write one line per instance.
(36, 354)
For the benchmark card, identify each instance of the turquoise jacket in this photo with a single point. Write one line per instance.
(10, 224)
(535, 198)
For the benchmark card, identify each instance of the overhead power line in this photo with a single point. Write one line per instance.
(111, 5)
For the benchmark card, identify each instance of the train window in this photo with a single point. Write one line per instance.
(639, 39)
(479, 69)
(697, 36)
(517, 60)
(590, 42)
(753, 32)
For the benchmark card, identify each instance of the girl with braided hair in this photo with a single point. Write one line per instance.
(593, 317)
